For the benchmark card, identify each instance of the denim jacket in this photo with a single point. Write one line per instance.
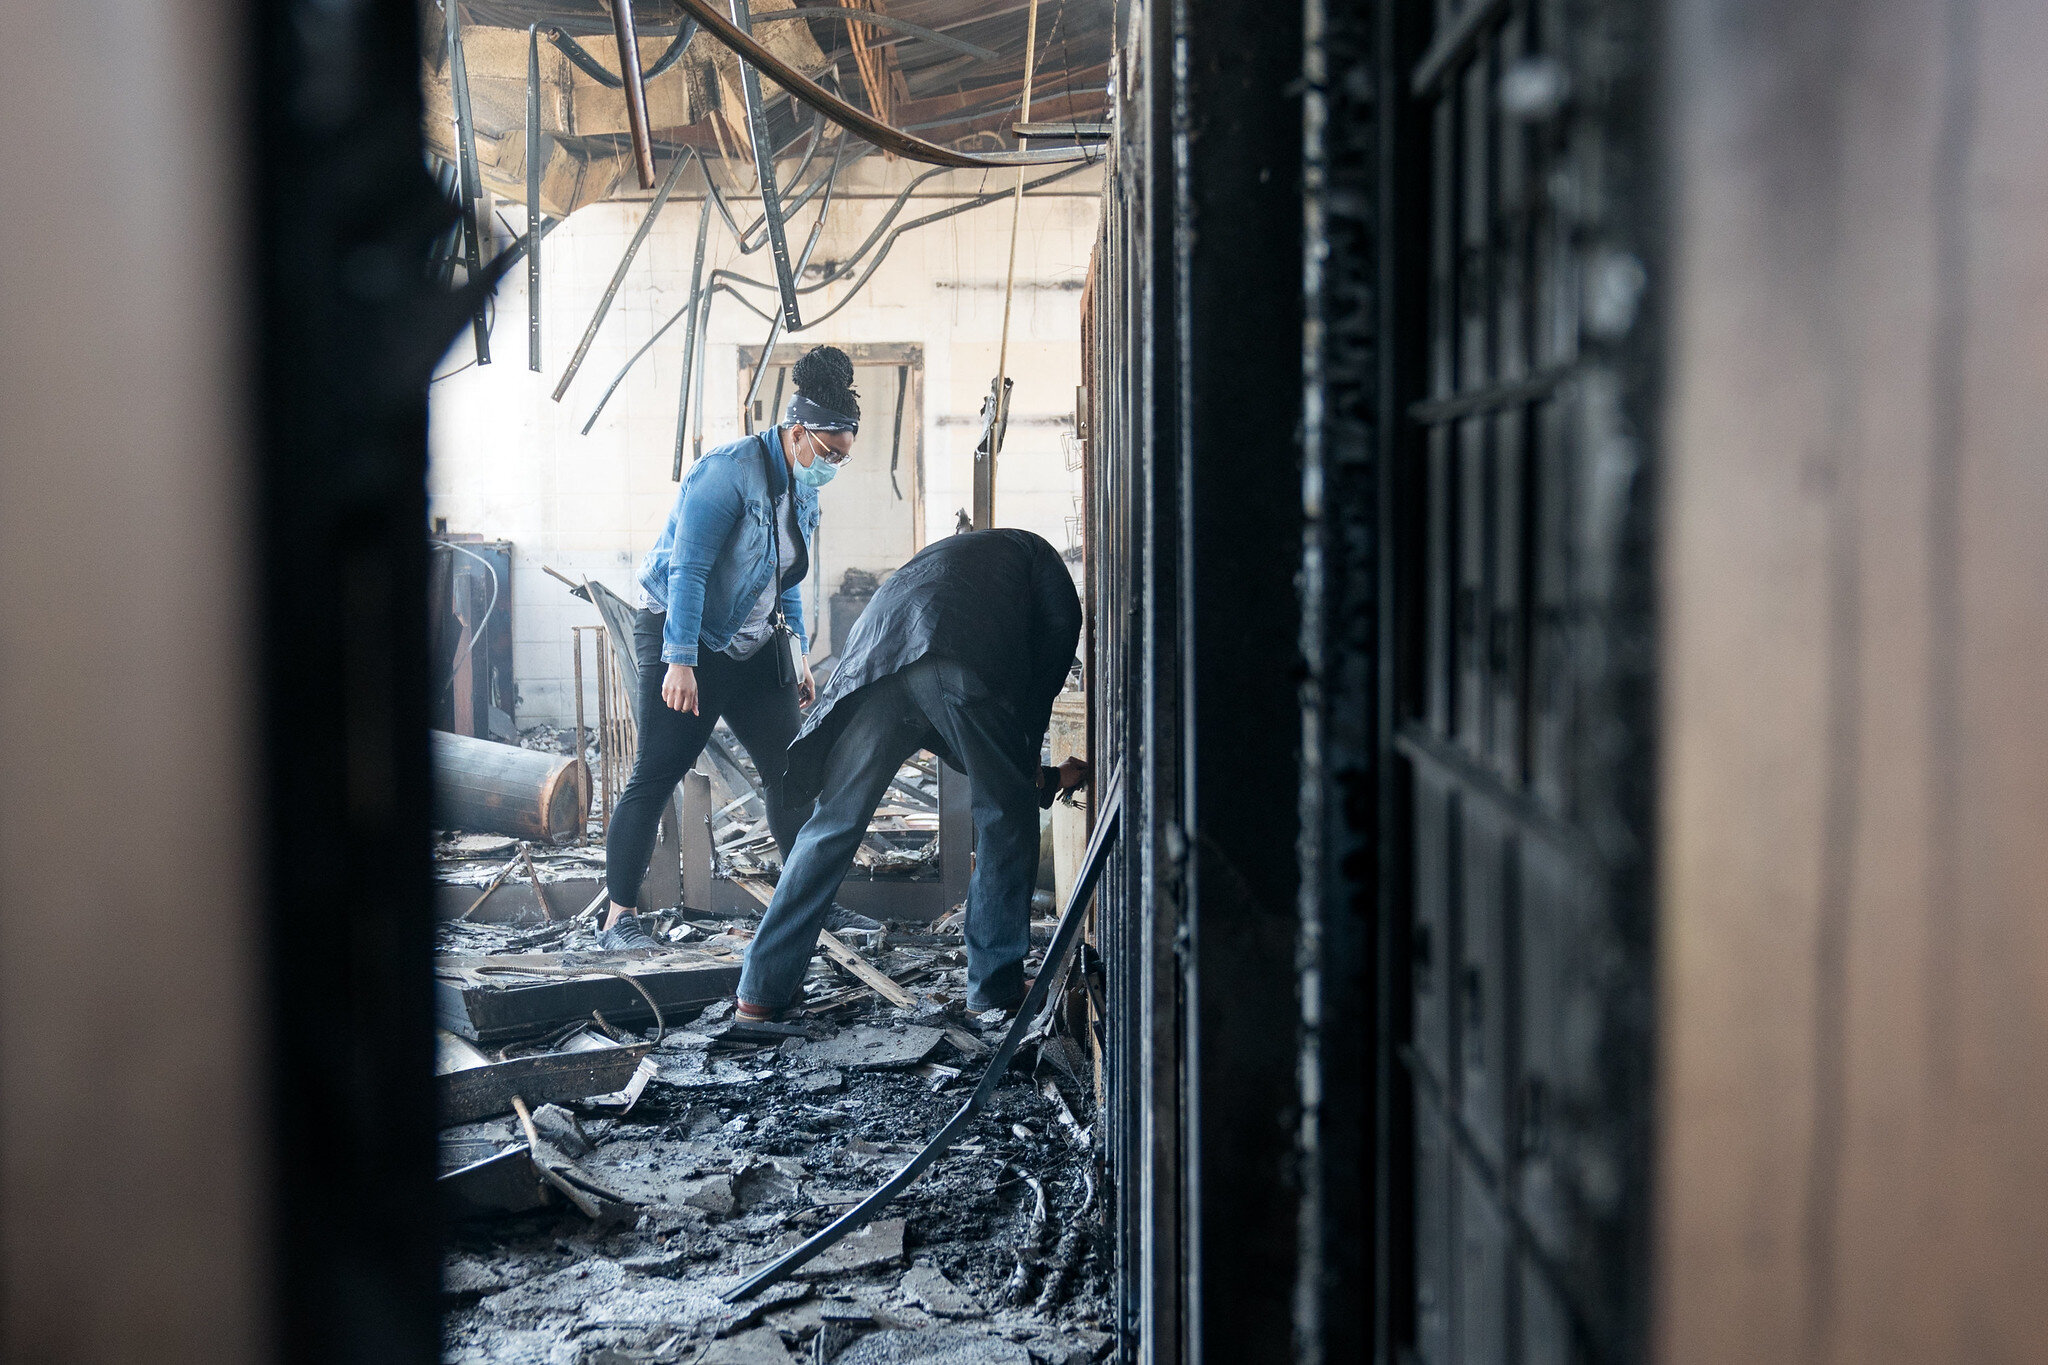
(714, 557)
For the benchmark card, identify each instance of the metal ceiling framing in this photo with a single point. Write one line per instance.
(764, 173)
(468, 177)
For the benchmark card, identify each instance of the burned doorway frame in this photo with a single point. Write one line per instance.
(345, 327)
(871, 353)
(927, 898)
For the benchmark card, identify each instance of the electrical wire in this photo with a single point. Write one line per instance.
(723, 280)
(979, 202)
(999, 415)
(803, 263)
(827, 178)
(477, 632)
(490, 326)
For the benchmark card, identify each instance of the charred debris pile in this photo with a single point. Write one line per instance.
(619, 1153)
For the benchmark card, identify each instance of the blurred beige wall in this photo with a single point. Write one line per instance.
(1854, 904)
(130, 1165)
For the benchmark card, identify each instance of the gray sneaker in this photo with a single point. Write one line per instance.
(843, 918)
(629, 933)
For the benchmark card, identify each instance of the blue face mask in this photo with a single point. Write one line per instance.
(818, 472)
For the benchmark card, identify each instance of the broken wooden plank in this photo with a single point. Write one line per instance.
(490, 999)
(503, 873)
(505, 1183)
(481, 1092)
(966, 1043)
(544, 1163)
(867, 973)
(873, 1048)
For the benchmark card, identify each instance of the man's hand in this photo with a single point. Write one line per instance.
(1055, 783)
(679, 688)
(806, 685)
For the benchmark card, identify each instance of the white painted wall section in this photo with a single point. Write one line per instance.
(510, 463)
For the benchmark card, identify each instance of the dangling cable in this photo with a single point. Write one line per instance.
(985, 515)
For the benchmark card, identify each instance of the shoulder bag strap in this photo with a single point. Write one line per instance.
(781, 638)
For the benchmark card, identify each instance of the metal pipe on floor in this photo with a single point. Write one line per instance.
(489, 788)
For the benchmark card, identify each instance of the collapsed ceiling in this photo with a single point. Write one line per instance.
(951, 72)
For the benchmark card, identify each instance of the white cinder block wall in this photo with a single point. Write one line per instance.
(508, 462)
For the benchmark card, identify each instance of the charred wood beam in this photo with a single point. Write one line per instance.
(479, 1092)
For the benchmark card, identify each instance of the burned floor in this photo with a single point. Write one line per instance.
(609, 1232)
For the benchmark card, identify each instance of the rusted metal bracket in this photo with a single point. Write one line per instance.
(1063, 937)
(764, 170)
(611, 291)
(690, 358)
(757, 59)
(533, 235)
(580, 58)
(471, 179)
(636, 90)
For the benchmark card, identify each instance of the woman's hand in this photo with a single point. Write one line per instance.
(679, 688)
(806, 685)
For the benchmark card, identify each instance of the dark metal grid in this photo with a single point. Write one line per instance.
(1517, 633)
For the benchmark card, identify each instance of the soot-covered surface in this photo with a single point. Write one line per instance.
(740, 1148)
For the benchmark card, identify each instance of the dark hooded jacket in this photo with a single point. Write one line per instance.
(1000, 602)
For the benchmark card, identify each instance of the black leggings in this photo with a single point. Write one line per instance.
(761, 712)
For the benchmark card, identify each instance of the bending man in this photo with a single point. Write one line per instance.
(962, 652)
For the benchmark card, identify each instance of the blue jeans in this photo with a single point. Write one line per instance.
(890, 723)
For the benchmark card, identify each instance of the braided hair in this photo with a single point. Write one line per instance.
(824, 380)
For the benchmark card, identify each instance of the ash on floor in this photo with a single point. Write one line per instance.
(739, 1149)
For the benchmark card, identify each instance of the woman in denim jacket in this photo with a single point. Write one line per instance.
(729, 565)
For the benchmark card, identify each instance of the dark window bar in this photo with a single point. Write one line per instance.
(1494, 398)
(1423, 746)
(1449, 45)
(1430, 1087)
